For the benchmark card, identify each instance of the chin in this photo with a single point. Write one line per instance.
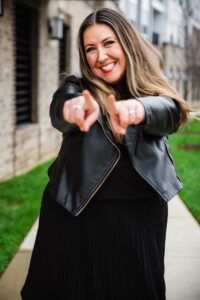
(113, 81)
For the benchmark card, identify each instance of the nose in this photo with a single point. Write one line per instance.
(102, 55)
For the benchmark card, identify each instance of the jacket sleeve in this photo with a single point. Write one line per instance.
(72, 88)
(162, 115)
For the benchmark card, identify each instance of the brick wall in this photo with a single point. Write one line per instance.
(25, 146)
(7, 110)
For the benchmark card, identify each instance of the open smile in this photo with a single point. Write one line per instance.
(108, 68)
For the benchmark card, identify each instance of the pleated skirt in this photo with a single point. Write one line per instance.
(113, 250)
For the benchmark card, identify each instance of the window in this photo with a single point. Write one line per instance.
(25, 59)
(155, 38)
(145, 29)
(64, 51)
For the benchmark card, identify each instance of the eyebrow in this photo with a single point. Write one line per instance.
(111, 37)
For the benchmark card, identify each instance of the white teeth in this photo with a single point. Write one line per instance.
(108, 67)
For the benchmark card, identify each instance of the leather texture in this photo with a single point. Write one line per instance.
(86, 159)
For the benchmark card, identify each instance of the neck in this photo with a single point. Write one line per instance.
(122, 88)
(120, 85)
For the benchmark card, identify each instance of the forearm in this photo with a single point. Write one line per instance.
(56, 108)
(162, 115)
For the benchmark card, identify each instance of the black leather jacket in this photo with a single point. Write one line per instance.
(85, 160)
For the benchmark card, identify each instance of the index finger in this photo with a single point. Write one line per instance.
(88, 99)
(112, 107)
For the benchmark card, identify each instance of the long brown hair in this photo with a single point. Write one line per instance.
(144, 74)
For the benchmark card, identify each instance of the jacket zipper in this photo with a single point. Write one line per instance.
(106, 174)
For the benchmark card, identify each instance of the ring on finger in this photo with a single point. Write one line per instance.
(131, 111)
(76, 106)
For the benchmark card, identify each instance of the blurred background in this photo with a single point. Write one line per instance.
(38, 41)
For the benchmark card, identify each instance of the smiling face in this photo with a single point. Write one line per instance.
(104, 53)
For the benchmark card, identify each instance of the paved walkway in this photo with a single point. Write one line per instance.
(182, 258)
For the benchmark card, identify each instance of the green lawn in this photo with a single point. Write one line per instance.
(20, 200)
(20, 197)
(188, 164)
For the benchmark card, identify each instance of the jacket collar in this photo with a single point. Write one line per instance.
(130, 136)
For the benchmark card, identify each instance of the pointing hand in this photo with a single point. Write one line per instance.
(124, 113)
(82, 110)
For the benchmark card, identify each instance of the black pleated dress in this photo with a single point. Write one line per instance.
(113, 250)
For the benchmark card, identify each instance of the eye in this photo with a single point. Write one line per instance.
(107, 43)
(89, 49)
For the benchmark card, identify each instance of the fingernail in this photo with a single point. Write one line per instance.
(83, 129)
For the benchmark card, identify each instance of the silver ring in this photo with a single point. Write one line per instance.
(76, 106)
(131, 111)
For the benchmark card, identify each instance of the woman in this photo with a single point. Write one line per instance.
(104, 212)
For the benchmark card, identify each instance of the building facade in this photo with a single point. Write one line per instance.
(33, 52)
(31, 59)
(173, 26)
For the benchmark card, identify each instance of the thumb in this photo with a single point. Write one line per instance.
(112, 107)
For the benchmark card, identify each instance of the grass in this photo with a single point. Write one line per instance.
(20, 200)
(20, 197)
(188, 165)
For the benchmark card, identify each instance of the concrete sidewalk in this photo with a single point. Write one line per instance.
(182, 260)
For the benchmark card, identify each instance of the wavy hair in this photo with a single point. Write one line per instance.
(144, 75)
